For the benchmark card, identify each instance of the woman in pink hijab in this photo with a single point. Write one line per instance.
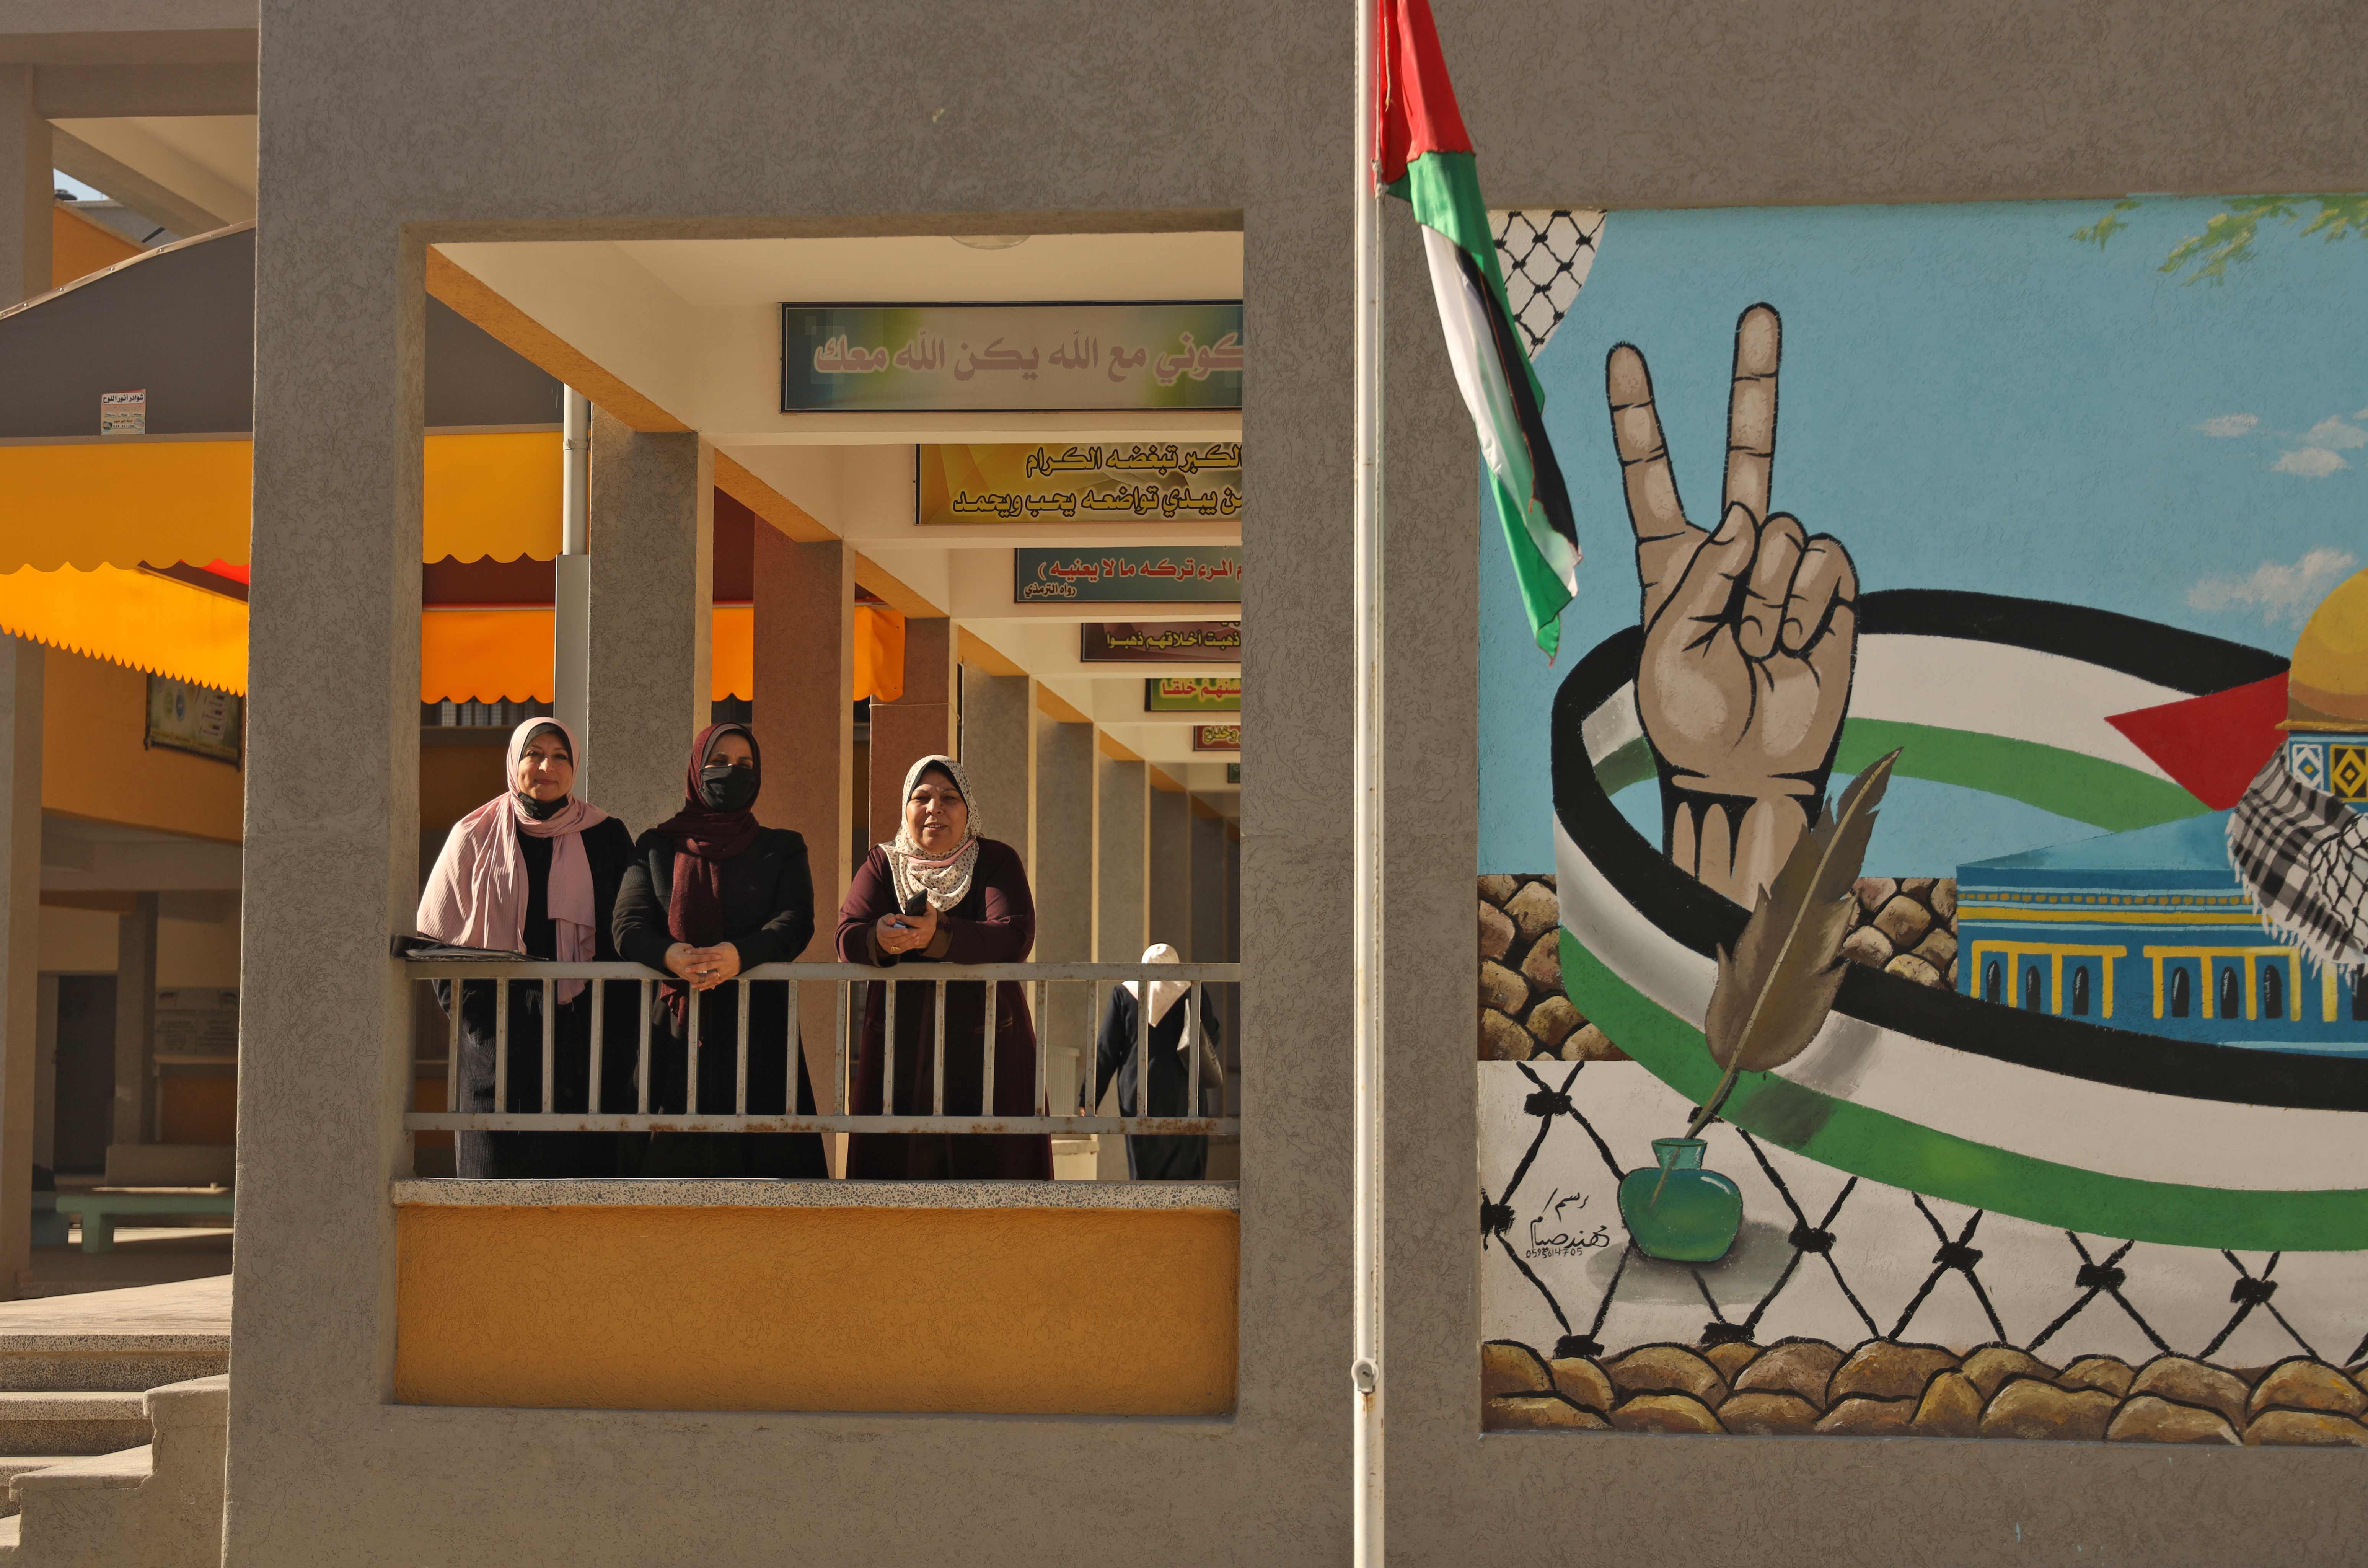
(535, 871)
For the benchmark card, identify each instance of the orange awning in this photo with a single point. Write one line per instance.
(502, 654)
(131, 617)
(88, 503)
(480, 655)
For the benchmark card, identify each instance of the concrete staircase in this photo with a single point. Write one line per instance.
(156, 1505)
(112, 1409)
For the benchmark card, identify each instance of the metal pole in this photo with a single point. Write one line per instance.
(1366, 535)
(570, 651)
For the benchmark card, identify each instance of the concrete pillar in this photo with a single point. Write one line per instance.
(135, 1022)
(804, 719)
(1122, 911)
(917, 724)
(1167, 869)
(331, 861)
(1063, 878)
(997, 748)
(1208, 884)
(653, 500)
(21, 665)
(27, 190)
(45, 1077)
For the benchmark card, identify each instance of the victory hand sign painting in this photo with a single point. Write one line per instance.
(1957, 837)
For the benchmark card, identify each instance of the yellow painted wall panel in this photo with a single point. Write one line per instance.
(94, 764)
(1105, 1312)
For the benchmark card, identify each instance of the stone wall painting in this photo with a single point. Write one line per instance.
(2060, 516)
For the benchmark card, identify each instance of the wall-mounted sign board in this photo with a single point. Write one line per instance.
(1127, 575)
(186, 717)
(956, 486)
(988, 358)
(1192, 694)
(123, 412)
(1216, 737)
(1160, 643)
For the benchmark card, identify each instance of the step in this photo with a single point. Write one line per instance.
(15, 1465)
(116, 1341)
(88, 1509)
(71, 1424)
(129, 1366)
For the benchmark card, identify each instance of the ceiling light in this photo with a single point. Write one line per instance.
(990, 242)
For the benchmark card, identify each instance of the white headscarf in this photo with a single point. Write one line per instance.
(945, 877)
(1165, 994)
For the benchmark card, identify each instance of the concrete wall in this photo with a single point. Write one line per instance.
(788, 119)
(638, 119)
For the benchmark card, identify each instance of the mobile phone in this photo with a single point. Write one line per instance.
(916, 905)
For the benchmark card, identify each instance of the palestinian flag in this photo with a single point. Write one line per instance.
(1426, 159)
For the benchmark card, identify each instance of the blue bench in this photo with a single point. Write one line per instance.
(99, 1210)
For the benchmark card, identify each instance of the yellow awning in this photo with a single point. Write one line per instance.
(477, 654)
(131, 617)
(91, 504)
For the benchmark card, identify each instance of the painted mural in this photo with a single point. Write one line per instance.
(1924, 919)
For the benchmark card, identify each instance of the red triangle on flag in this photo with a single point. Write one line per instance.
(2214, 744)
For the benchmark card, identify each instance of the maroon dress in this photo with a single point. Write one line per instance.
(995, 923)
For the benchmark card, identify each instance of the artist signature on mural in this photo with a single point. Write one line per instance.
(1552, 1233)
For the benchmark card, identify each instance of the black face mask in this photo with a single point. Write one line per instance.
(540, 810)
(724, 787)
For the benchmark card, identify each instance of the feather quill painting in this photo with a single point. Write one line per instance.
(1775, 988)
(1777, 984)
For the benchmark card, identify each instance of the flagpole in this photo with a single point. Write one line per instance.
(1366, 852)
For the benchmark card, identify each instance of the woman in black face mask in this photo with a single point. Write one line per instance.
(709, 894)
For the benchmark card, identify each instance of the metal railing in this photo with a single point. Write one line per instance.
(504, 973)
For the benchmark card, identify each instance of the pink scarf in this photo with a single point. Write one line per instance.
(476, 896)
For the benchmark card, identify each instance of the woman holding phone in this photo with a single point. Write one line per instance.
(939, 893)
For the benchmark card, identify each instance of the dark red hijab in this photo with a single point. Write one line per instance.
(704, 839)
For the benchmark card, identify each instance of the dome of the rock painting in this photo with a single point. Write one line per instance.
(2328, 686)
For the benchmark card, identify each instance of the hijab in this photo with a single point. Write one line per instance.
(476, 896)
(945, 877)
(704, 839)
(1165, 994)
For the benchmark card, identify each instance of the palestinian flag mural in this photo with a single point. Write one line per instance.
(1425, 158)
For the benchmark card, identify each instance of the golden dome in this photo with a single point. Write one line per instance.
(2328, 684)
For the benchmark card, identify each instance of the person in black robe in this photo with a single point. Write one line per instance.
(1167, 1056)
(711, 894)
(535, 871)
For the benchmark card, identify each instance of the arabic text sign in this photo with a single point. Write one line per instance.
(1216, 737)
(1160, 643)
(1127, 575)
(1124, 483)
(976, 358)
(1192, 694)
(192, 718)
